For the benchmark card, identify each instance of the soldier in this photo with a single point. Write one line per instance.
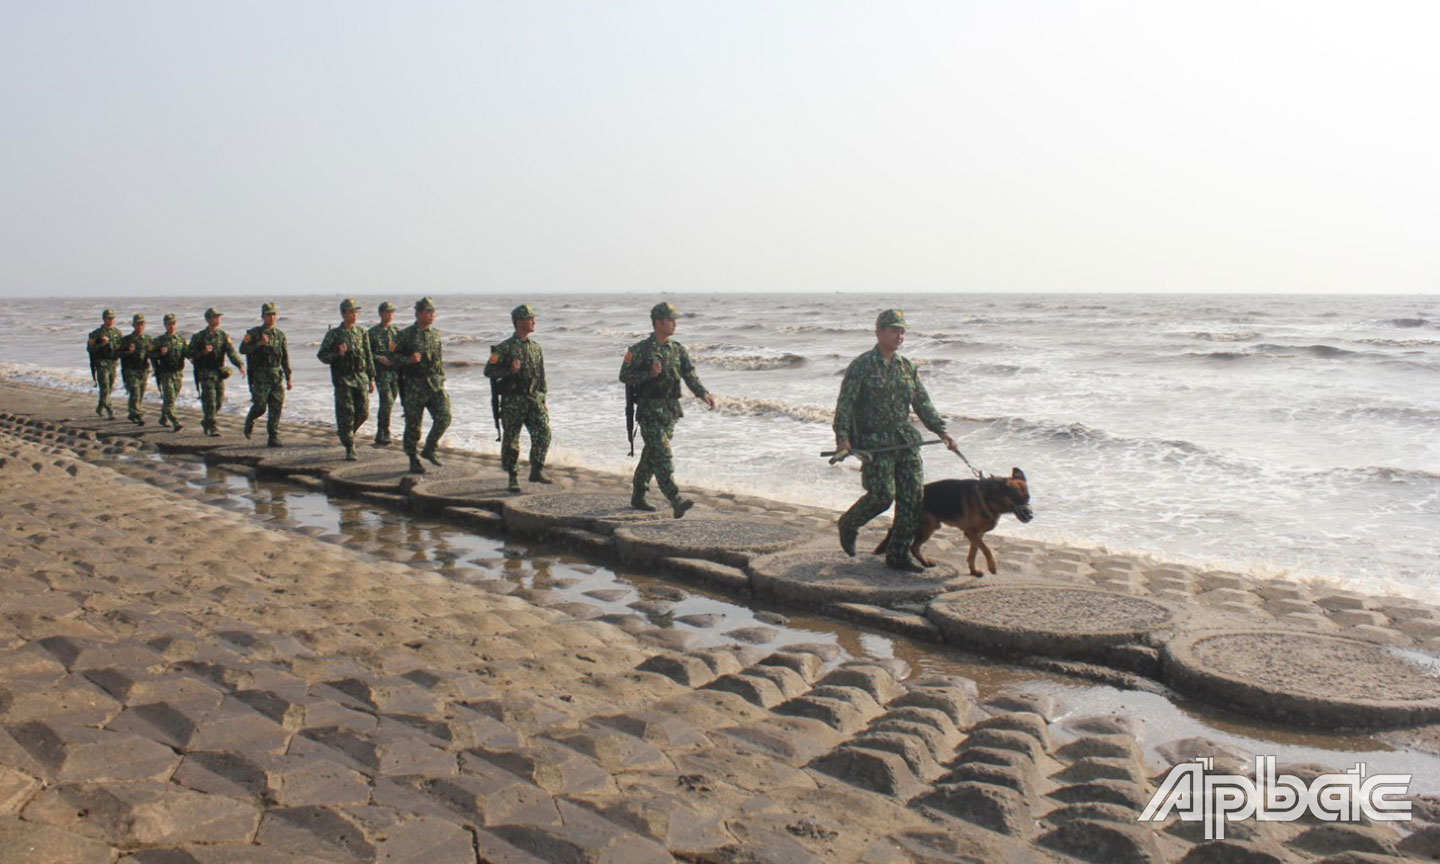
(135, 368)
(418, 356)
(269, 364)
(346, 350)
(207, 352)
(873, 411)
(167, 356)
(387, 378)
(102, 346)
(517, 369)
(652, 372)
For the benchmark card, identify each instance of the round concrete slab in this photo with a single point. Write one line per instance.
(729, 541)
(1046, 618)
(1307, 678)
(599, 512)
(315, 459)
(487, 490)
(818, 578)
(387, 473)
(244, 452)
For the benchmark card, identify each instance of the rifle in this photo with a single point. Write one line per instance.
(630, 416)
(495, 398)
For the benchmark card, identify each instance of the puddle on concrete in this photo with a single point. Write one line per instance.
(451, 550)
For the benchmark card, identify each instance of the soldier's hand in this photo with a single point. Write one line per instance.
(264, 340)
(288, 385)
(515, 365)
(655, 369)
(710, 401)
(415, 358)
(103, 340)
(383, 361)
(372, 386)
(130, 349)
(344, 346)
(949, 441)
(209, 349)
(164, 349)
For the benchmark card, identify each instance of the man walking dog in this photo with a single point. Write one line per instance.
(872, 413)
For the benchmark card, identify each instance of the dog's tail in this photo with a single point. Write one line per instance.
(885, 544)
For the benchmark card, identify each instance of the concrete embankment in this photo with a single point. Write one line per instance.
(181, 683)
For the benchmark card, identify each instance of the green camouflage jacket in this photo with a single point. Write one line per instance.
(268, 362)
(529, 380)
(354, 368)
(875, 402)
(382, 341)
(136, 360)
(172, 361)
(107, 352)
(428, 375)
(659, 396)
(207, 365)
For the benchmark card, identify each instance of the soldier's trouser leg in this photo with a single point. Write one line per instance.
(212, 396)
(274, 402)
(655, 460)
(537, 423)
(439, 408)
(105, 379)
(878, 478)
(258, 393)
(512, 420)
(169, 387)
(909, 474)
(386, 389)
(350, 404)
(135, 386)
(414, 411)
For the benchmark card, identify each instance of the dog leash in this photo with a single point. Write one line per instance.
(866, 455)
(973, 469)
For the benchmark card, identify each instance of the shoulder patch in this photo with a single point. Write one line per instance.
(629, 355)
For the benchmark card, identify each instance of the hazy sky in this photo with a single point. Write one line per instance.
(755, 145)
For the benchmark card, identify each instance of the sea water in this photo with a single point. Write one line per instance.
(1281, 436)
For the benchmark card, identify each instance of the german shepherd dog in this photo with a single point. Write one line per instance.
(973, 506)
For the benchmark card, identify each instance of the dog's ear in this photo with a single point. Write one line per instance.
(1017, 473)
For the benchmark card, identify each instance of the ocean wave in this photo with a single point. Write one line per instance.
(1384, 473)
(1408, 322)
(1242, 336)
(811, 328)
(1429, 417)
(1325, 352)
(750, 361)
(1399, 343)
(612, 333)
(744, 406)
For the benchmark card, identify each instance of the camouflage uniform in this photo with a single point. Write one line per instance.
(135, 370)
(269, 375)
(209, 370)
(657, 405)
(387, 379)
(523, 399)
(873, 411)
(103, 357)
(351, 373)
(168, 367)
(422, 385)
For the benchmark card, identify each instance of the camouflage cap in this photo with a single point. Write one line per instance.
(170, 318)
(663, 310)
(892, 318)
(348, 305)
(269, 309)
(524, 310)
(424, 303)
(108, 313)
(387, 306)
(212, 312)
(139, 318)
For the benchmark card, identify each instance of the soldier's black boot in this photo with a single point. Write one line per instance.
(847, 540)
(639, 503)
(678, 506)
(415, 466)
(350, 454)
(110, 412)
(429, 455)
(537, 475)
(178, 427)
(907, 564)
(273, 441)
(249, 426)
(514, 482)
